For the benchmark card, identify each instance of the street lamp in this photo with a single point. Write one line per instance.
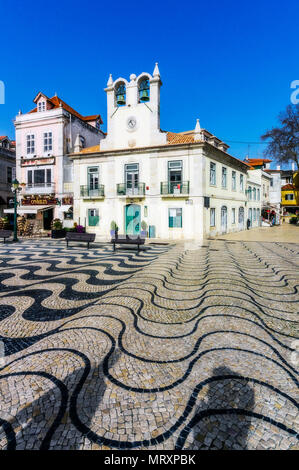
(15, 189)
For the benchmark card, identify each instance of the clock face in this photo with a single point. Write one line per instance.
(131, 123)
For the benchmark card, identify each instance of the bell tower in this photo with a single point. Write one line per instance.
(133, 112)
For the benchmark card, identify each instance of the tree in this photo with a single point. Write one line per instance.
(283, 143)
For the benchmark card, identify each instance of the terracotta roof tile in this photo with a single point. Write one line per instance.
(257, 161)
(55, 102)
(288, 187)
(173, 138)
(91, 118)
(95, 148)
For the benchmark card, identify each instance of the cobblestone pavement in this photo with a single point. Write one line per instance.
(286, 233)
(174, 348)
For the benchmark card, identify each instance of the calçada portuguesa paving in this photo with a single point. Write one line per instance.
(179, 347)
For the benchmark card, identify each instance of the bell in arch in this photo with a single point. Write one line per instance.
(144, 90)
(121, 95)
(120, 100)
(144, 95)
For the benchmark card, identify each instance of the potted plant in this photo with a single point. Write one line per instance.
(57, 229)
(143, 232)
(80, 229)
(113, 228)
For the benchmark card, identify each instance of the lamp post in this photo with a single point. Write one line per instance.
(15, 189)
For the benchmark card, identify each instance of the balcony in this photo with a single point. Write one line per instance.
(40, 188)
(174, 189)
(123, 190)
(92, 193)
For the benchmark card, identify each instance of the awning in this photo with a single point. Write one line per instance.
(28, 209)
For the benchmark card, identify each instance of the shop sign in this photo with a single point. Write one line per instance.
(67, 201)
(39, 201)
(37, 161)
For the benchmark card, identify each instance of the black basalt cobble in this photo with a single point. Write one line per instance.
(177, 347)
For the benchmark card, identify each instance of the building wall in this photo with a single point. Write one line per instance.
(275, 189)
(7, 160)
(265, 181)
(254, 197)
(223, 197)
(65, 129)
(153, 169)
(288, 202)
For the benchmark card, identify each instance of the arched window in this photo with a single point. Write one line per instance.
(120, 94)
(144, 90)
(241, 218)
(224, 219)
(249, 193)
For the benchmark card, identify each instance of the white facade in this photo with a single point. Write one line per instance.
(275, 189)
(140, 173)
(254, 197)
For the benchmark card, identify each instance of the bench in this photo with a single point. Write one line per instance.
(127, 240)
(5, 234)
(79, 237)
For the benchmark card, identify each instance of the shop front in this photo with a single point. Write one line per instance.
(39, 209)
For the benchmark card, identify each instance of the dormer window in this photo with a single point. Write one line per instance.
(4, 144)
(41, 106)
(120, 94)
(144, 90)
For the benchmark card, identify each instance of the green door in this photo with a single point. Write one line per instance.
(132, 219)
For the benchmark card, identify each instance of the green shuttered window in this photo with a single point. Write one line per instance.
(93, 217)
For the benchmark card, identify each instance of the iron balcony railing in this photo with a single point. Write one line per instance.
(174, 188)
(123, 190)
(88, 191)
(39, 185)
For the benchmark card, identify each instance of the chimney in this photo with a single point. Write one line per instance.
(293, 166)
(78, 144)
(278, 167)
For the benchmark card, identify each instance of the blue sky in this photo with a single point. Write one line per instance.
(228, 63)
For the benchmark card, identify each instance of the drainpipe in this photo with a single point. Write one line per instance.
(71, 141)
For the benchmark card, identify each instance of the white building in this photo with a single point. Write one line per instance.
(261, 167)
(182, 185)
(254, 197)
(44, 137)
(275, 190)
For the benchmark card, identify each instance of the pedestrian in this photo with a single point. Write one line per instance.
(248, 224)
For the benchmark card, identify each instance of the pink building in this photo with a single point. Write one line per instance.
(44, 137)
